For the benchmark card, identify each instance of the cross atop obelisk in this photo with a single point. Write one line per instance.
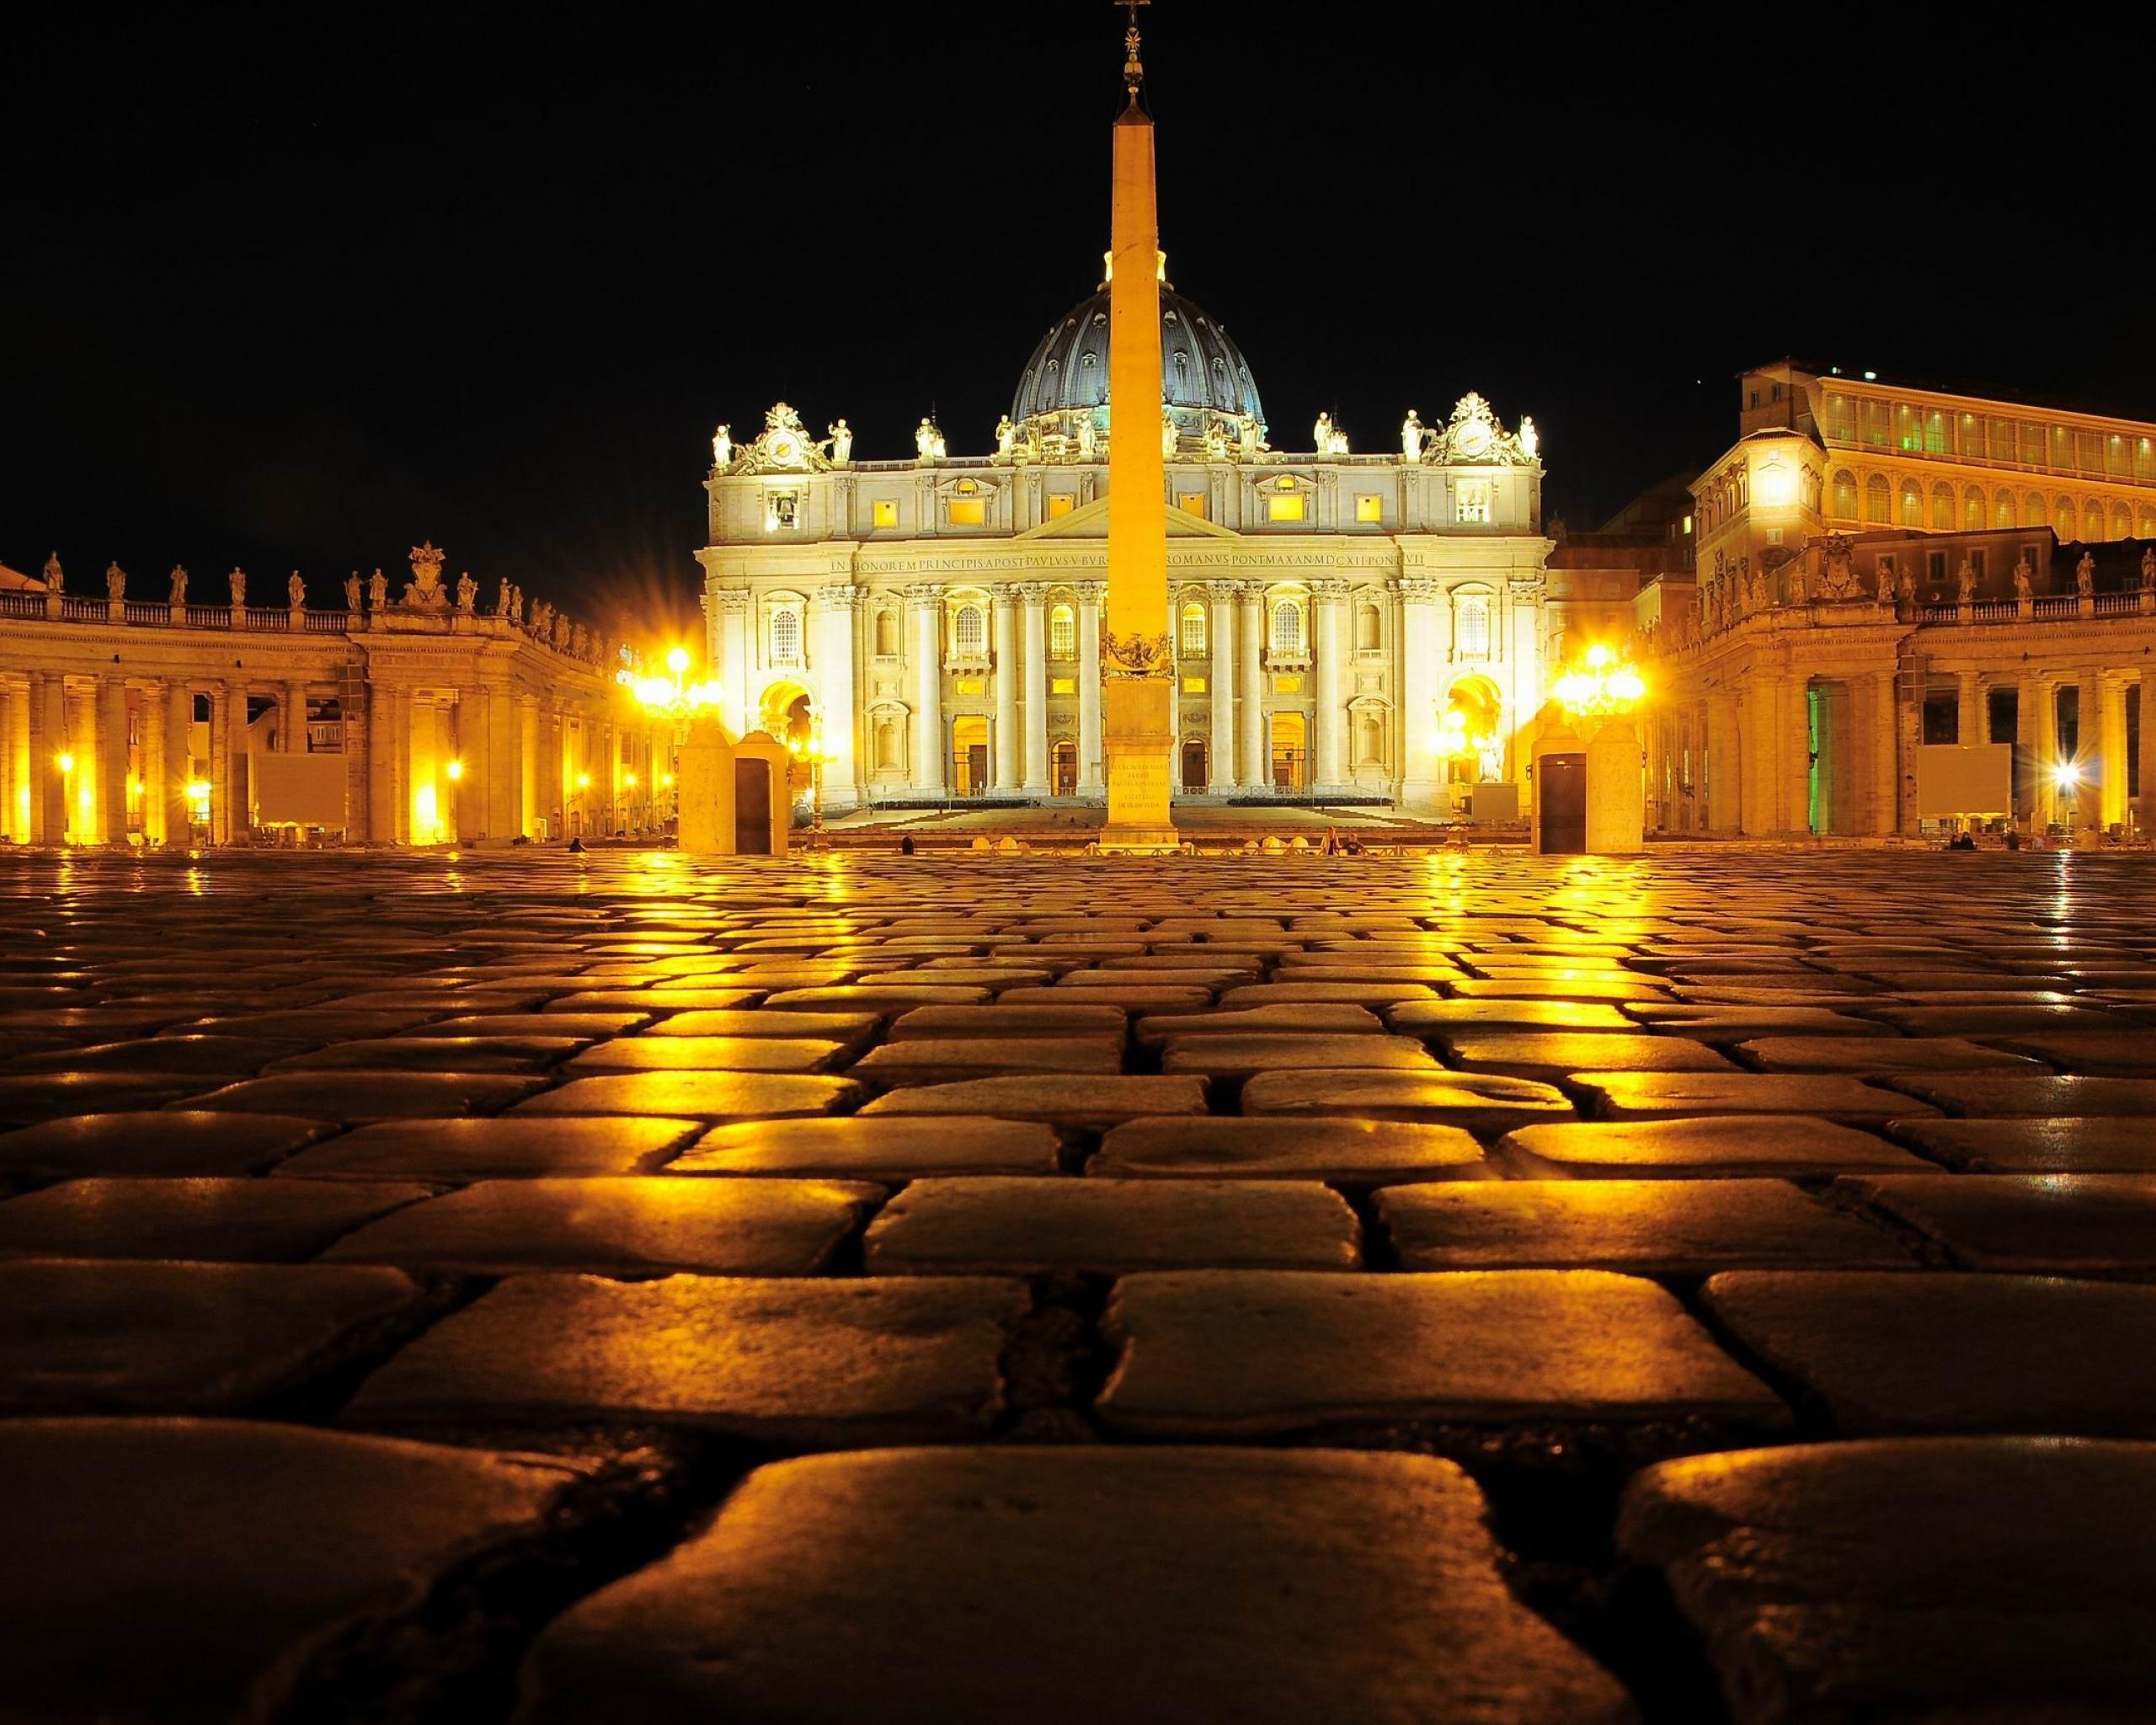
(1137, 664)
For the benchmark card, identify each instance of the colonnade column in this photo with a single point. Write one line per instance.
(839, 604)
(1421, 653)
(1090, 594)
(2035, 715)
(1009, 768)
(1220, 640)
(927, 603)
(291, 734)
(731, 605)
(1724, 801)
(48, 729)
(176, 768)
(2092, 750)
(2148, 751)
(153, 775)
(112, 761)
(1038, 776)
(2116, 793)
(12, 813)
(1331, 603)
(1908, 733)
(1255, 769)
(1796, 763)
(1969, 727)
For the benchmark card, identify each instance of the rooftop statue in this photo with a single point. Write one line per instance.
(467, 592)
(178, 584)
(841, 443)
(2148, 569)
(115, 581)
(377, 590)
(501, 599)
(1530, 439)
(1411, 433)
(1216, 441)
(1170, 440)
(722, 447)
(1006, 434)
(2085, 574)
(425, 590)
(1965, 582)
(2024, 586)
(1087, 435)
(295, 592)
(352, 591)
(55, 578)
(237, 581)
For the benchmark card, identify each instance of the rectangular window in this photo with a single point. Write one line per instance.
(2033, 446)
(1935, 565)
(1063, 686)
(1369, 507)
(1475, 628)
(967, 511)
(781, 508)
(1977, 564)
(968, 686)
(1060, 502)
(1773, 536)
(1471, 500)
(1280, 508)
(1287, 685)
(2062, 447)
(2091, 445)
(1193, 686)
(2002, 439)
(887, 511)
(1192, 503)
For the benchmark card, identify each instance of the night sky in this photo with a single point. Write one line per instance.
(308, 292)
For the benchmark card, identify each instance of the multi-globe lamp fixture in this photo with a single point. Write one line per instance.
(1605, 686)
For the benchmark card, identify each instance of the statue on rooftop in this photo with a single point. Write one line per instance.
(841, 443)
(2024, 582)
(115, 581)
(55, 578)
(237, 582)
(1086, 434)
(352, 591)
(1965, 582)
(377, 590)
(178, 585)
(1322, 435)
(722, 447)
(516, 605)
(1005, 433)
(1216, 441)
(1411, 433)
(295, 592)
(467, 592)
(1529, 440)
(501, 600)
(2148, 569)
(923, 439)
(2085, 574)
(1170, 439)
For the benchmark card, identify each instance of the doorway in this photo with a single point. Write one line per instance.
(752, 808)
(1561, 803)
(969, 755)
(1065, 756)
(1290, 751)
(1194, 769)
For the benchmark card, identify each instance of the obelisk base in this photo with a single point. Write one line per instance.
(1138, 744)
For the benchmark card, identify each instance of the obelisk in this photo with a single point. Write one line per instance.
(1137, 665)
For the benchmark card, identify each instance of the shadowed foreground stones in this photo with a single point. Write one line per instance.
(1068, 1587)
(225, 1220)
(1762, 1145)
(178, 1338)
(617, 1227)
(2106, 1143)
(1026, 1227)
(1934, 1578)
(1655, 1095)
(181, 1570)
(893, 1358)
(701, 1096)
(164, 1143)
(1250, 1352)
(1087, 1102)
(1945, 1352)
(521, 1147)
(2078, 1224)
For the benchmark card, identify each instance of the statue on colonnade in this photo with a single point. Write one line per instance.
(237, 581)
(295, 591)
(377, 590)
(178, 585)
(352, 591)
(468, 593)
(115, 581)
(55, 578)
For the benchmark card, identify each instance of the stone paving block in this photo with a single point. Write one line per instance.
(1477, 1101)
(1110, 1227)
(1939, 1578)
(848, 1029)
(1424, 1017)
(2123, 1052)
(1759, 1145)
(1066, 1587)
(1551, 1054)
(515, 1147)
(667, 1003)
(1880, 1055)
(1084, 1019)
(182, 1570)
(1137, 997)
(890, 1148)
(160, 1143)
(617, 1227)
(1983, 1094)
(946, 1059)
(1723, 1025)
(1350, 1152)
(186, 1055)
(1652, 1096)
(2016, 1018)
(1079, 1103)
(1251, 1351)
(700, 1096)
(82, 1336)
(1646, 1227)
(351, 1098)
(1354, 993)
(653, 1052)
(27, 1097)
(225, 1220)
(889, 997)
(318, 1025)
(2074, 1224)
(1945, 1351)
(437, 1054)
(1243, 1056)
(895, 1357)
(1526, 988)
(589, 1025)
(1321, 1019)
(2119, 1144)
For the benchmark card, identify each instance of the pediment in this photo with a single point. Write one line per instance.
(1090, 521)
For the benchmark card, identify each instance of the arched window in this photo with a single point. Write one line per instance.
(1844, 496)
(1878, 500)
(1474, 625)
(1942, 508)
(1911, 503)
(2144, 522)
(970, 633)
(2033, 513)
(1370, 741)
(2121, 522)
(1972, 509)
(2002, 511)
(2092, 520)
(1287, 629)
(887, 634)
(786, 636)
(1370, 629)
(2066, 518)
(1062, 633)
(1194, 632)
(887, 745)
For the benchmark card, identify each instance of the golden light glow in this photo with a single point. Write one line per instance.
(454, 771)
(630, 780)
(1775, 485)
(66, 762)
(1608, 685)
(677, 661)
(198, 790)
(665, 780)
(584, 781)
(2067, 775)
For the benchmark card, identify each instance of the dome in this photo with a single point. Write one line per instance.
(1201, 369)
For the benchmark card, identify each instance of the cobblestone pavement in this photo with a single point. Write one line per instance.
(1469, 1287)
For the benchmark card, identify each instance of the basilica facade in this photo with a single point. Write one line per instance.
(1356, 625)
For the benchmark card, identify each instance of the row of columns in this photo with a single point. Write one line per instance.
(1020, 743)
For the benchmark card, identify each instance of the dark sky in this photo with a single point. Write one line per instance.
(304, 288)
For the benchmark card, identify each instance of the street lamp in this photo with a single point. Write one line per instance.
(811, 749)
(1607, 687)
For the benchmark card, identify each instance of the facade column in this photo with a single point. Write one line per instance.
(1009, 767)
(2115, 791)
(1038, 776)
(501, 775)
(1330, 601)
(1756, 731)
(1796, 763)
(291, 734)
(170, 786)
(731, 609)
(13, 821)
(1221, 643)
(2147, 787)
(1908, 733)
(1724, 764)
(1090, 594)
(1256, 765)
(2092, 750)
(381, 780)
(928, 741)
(153, 774)
(840, 606)
(1969, 727)
(112, 762)
(219, 772)
(48, 728)
(2034, 713)
(1422, 773)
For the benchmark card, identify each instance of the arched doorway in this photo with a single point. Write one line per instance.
(788, 717)
(1193, 768)
(969, 755)
(1290, 752)
(1470, 732)
(1065, 761)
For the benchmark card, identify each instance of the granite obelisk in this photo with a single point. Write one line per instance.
(1137, 663)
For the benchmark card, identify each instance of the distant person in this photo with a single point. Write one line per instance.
(576, 847)
(2013, 840)
(905, 844)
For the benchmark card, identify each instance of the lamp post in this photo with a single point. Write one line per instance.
(812, 749)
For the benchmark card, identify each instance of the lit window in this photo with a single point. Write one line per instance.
(967, 511)
(1062, 633)
(887, 512)
(1471, 501)
(968, 632)
(1281, 507)
(1063, 686)
(1287, 630)
(1287, 685)
(1193, 686)
(1475, 627)
(1369, 507)
(1060, 502)
(1192, 503)
(785, 637)
(1688, 524)
(1193, 631)
(781, 508)
(968, 686)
